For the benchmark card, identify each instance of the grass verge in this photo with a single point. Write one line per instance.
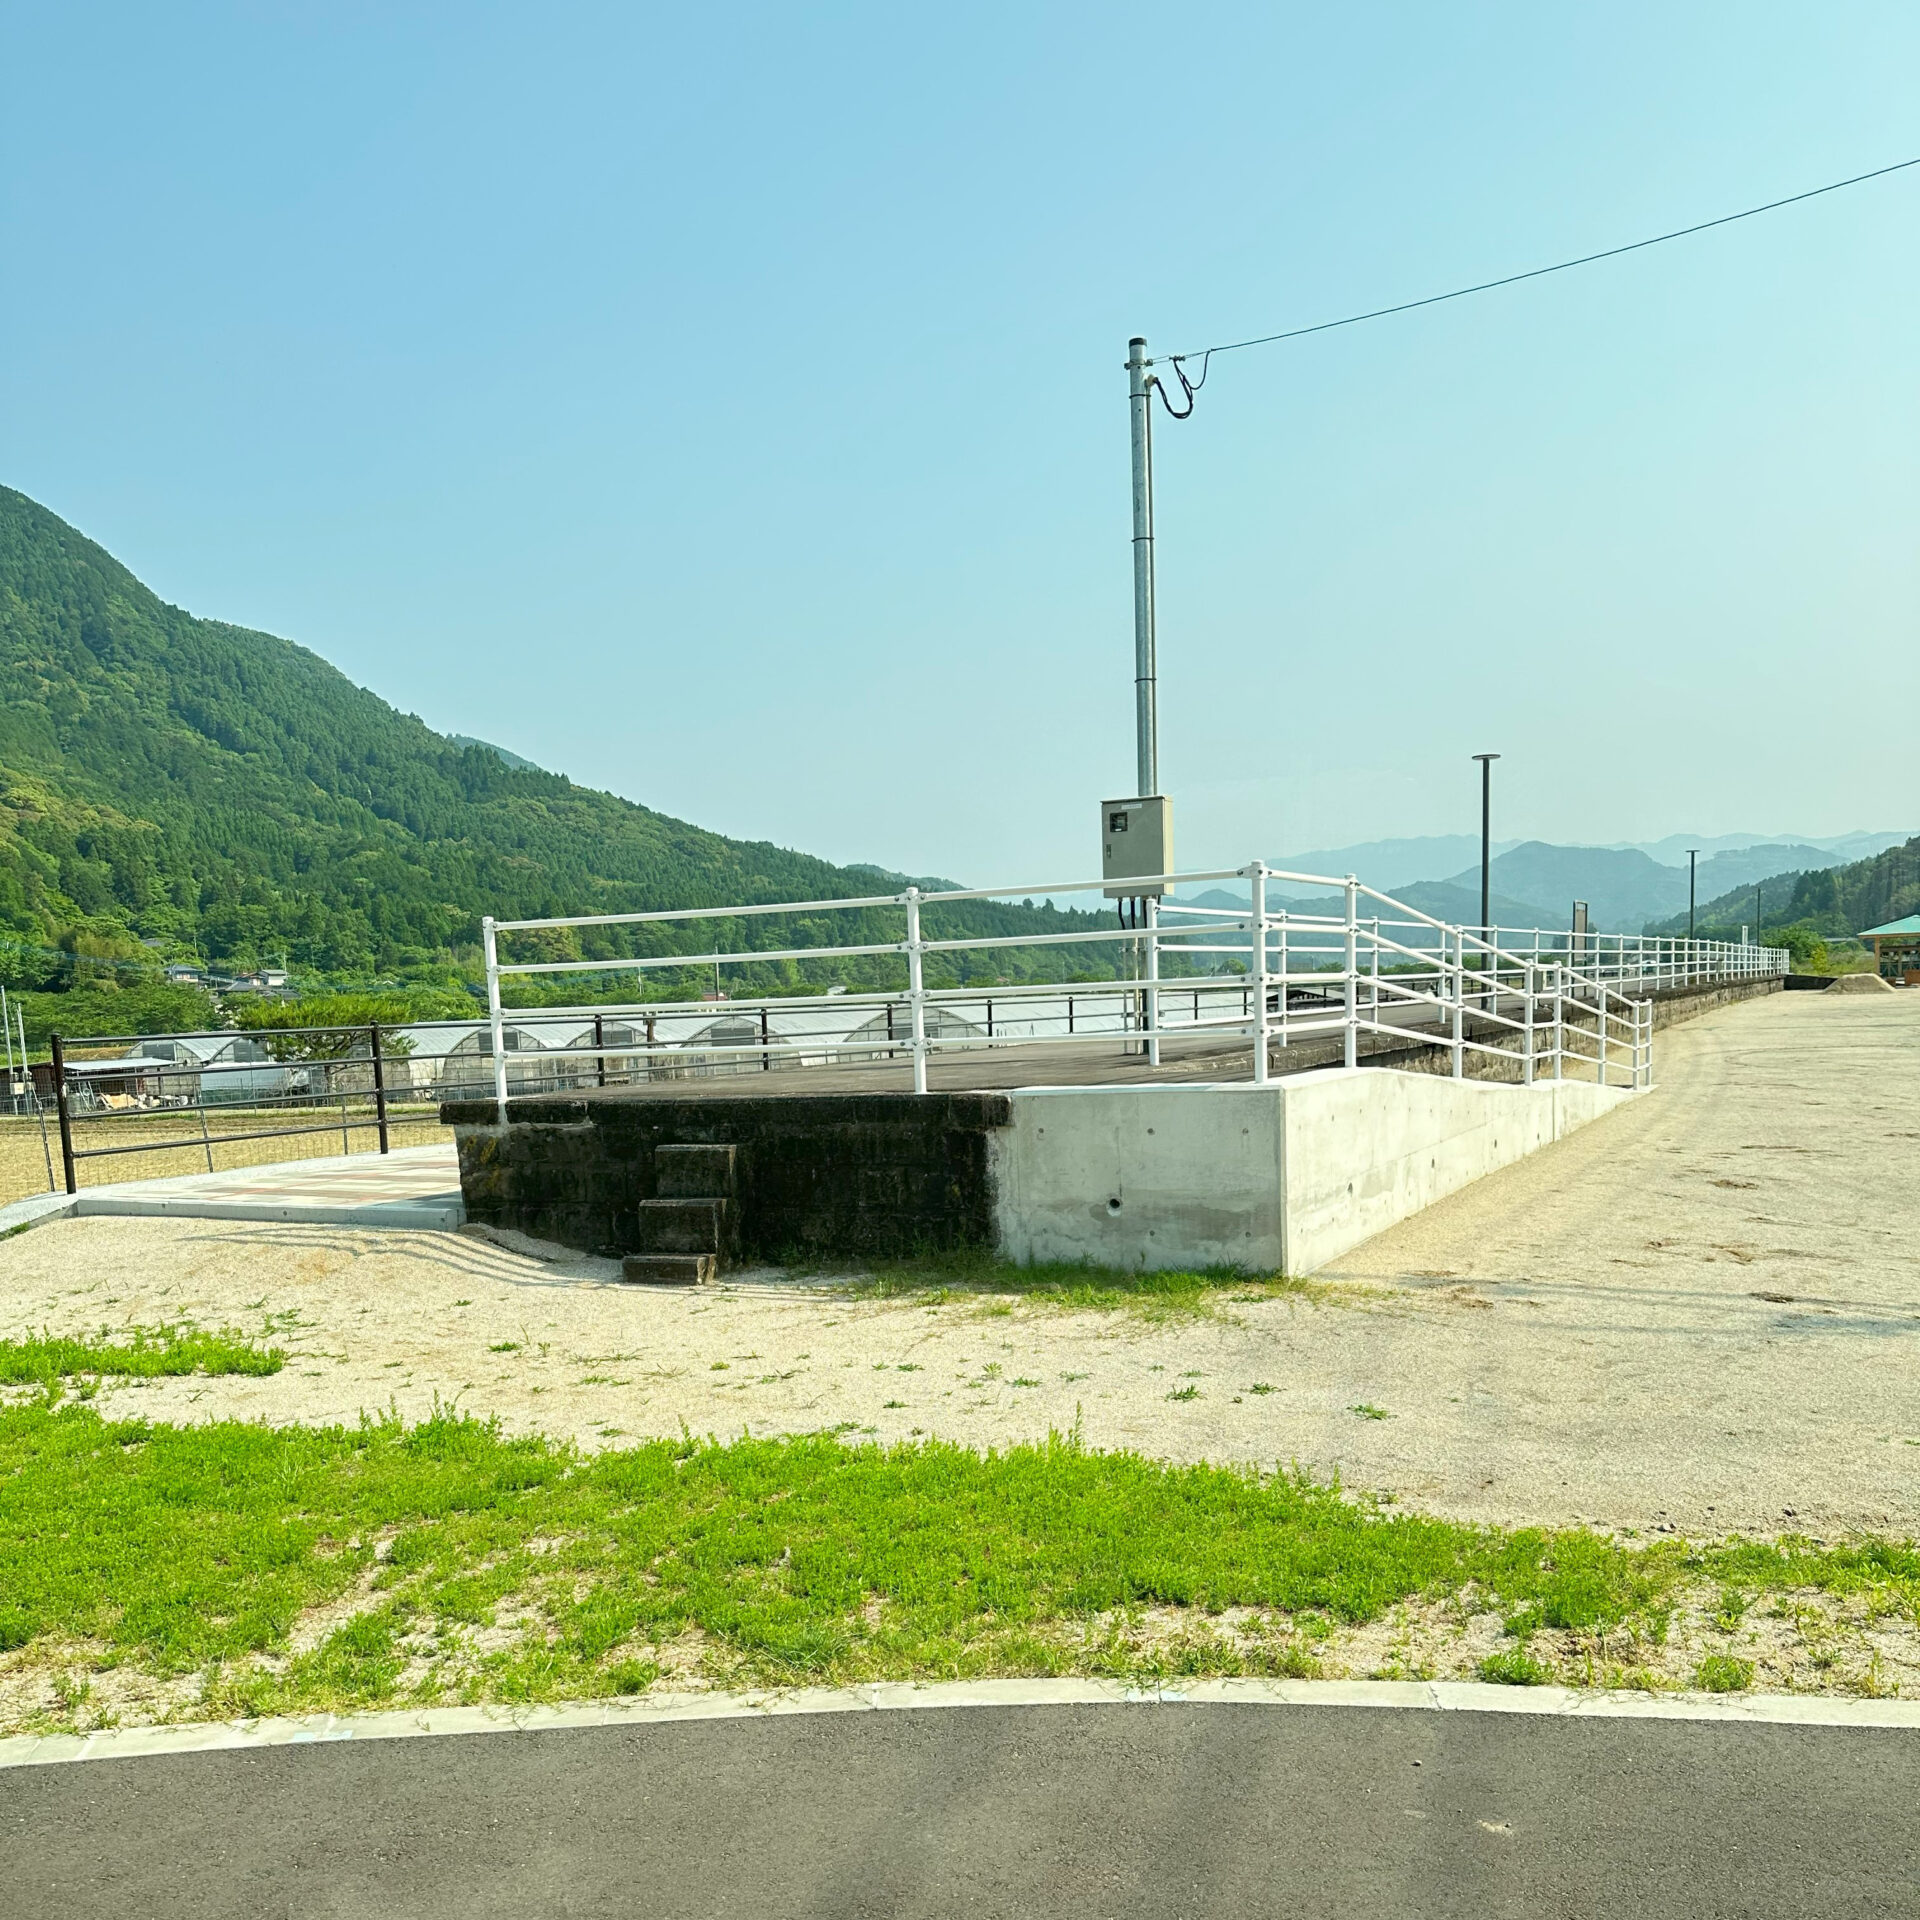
(252, 1569)
(1077, 1285)
(141, 1353)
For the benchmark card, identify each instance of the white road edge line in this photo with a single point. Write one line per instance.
(1443, 1696)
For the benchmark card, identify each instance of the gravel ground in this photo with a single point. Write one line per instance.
(30, 1158)
(1699, 1314)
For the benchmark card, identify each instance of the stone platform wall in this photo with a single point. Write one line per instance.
(829, 1175)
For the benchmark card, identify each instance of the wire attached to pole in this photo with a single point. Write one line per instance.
(1191, 387)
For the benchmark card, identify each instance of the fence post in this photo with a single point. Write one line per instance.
(1559, 1017)
(1459, 1003)
(497, 1024)
(1353, 972)
(379, 1085)
(66, 1121)
(766, 1057)
(1600, 1028)
(1286, 968)
(916, 990)
(1257, 927)
(599, 1041)
(1153, 981)
(1526, 979)
(1373, 1007)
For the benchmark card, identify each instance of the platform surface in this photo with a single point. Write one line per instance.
(414, 1187)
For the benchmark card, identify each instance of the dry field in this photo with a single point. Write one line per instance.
(30, 1155)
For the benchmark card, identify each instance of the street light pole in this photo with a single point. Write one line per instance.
(1146, 713)
(1693, 854)
(1486, 838)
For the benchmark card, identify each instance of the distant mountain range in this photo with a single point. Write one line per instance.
(1535, 883)
(1830, 900)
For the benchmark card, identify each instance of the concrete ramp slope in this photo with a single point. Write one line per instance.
(1285, 1177)
(414, 1187)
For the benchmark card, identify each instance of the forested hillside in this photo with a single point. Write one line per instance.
(174, 786)
(1829, 901)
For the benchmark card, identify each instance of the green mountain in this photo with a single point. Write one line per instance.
(512, 759)
(1832, 902)
(171, 786)
(1624, 887)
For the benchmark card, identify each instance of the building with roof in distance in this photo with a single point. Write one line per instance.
(1896, 949)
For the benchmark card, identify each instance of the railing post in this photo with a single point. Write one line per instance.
(1526, 978)
(1559, 1019)
(66, 1119)
(379, 1084)
(1373, 1010)
(599, 1041)
(496, 1022)
(1286, 968)
(1257, 926)
(1600, 1028)
(766, 1053)
(1459, 1003)
(916, 990)
(1353, 971)
(1153, 981)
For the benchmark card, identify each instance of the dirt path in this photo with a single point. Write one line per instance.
(1702, 1312)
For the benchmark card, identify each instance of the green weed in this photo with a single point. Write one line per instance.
(1515, 1667)
(1075, 1285)
(1722, 1673)
(137, 1353)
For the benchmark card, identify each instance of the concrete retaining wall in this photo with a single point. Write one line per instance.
(1671, 1005)
(1285, 1177)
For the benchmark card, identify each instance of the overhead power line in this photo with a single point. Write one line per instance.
(1513, 279)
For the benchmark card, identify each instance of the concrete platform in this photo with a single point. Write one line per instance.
(415, 1187)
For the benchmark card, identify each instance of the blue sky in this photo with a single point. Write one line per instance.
(726, 406)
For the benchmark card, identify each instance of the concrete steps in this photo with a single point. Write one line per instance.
(690, 1230)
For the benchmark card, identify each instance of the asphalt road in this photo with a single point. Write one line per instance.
(1063, 1811)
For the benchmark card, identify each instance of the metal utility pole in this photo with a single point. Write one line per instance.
(1693, 853)
(1486, 838)
(1145, 706)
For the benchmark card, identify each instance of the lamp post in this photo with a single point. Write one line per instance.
(1486, 837)
(1692, 854)
(1488, 960)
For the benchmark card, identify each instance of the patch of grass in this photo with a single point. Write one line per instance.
(1515, 1667)
(136, 1353)
(1079, 1285)
(1185, 1393)
(1722, 1673)
(176, 1549)
(1367, 1411)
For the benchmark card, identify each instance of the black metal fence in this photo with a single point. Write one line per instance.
(296, 1072)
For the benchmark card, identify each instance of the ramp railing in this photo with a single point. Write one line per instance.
(1179, 981)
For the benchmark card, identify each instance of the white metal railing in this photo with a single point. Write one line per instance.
(1546, 1002)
